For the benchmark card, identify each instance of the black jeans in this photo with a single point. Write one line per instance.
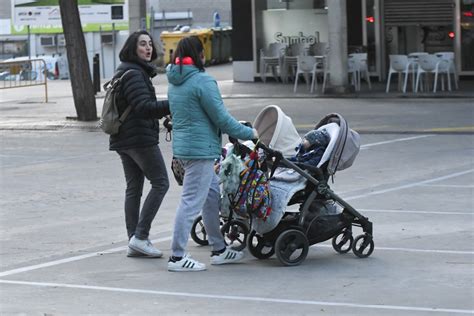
(139, 163)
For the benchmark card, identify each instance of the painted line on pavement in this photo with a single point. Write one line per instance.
(71, 259)
(411, 185)
(241, 298)
(456, 186)
(415, 212)
(394, 141)
(117, 249)
(466, 129)
(436, 251)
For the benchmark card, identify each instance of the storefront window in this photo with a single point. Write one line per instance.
(467, 35)
(290, 21)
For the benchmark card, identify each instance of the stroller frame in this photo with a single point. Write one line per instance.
(290, 240)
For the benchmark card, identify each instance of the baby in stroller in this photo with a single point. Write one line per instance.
(302, 179)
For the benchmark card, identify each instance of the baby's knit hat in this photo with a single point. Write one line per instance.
(320, 138)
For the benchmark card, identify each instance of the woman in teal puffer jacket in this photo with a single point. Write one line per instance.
(199, 119)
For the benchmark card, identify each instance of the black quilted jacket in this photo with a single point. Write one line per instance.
(141, 127)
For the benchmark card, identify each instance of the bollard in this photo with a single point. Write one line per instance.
(96, 73)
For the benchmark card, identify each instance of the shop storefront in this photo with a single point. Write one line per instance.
(427, 26)
(378, 27)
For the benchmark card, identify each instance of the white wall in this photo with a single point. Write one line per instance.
(292, 23)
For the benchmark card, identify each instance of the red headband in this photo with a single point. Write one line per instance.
(186, 61)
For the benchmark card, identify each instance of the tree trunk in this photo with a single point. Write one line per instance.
(79, 71)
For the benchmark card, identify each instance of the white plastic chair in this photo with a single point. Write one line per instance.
(417, 54)
(402, 65)
(353, 72)
(271, 57)
(449, 56)
(307, 65)
(432, 64)
(325, 67)
(318, 49)
(290, 60)
(360, 62)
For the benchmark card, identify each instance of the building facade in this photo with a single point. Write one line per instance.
(378, 27)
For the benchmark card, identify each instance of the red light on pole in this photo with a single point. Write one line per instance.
(451, 34)
(468, 14)
(370, 19)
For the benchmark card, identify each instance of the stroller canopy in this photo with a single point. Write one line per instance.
(276, 130)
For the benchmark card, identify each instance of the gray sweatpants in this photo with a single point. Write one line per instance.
(200, 192)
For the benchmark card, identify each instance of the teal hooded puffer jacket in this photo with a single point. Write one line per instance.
(199, 115)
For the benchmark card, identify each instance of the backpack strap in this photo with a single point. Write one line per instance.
(125, 114)
(128, 109)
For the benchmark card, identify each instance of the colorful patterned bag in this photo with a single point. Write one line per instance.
(253, 195)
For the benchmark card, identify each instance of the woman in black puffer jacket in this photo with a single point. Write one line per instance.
(137, 141)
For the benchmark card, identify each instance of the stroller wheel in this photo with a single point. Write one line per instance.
(342, 242)
(291, 247)
(363, 246)
(198, 232)
(235, 234)
(259, 247)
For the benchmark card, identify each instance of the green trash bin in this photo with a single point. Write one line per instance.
(226, 51)
(216, 57)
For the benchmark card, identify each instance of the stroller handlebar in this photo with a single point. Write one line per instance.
(268, 150)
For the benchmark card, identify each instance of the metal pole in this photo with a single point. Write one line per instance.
(45, 82)
(152, 21)
(102, 51)
(29, 42)
(113, 42)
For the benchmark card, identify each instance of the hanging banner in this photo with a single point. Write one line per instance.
(44, 15)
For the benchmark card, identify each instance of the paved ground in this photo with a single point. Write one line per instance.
(62, 239)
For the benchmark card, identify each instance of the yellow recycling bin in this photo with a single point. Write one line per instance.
(170, 42)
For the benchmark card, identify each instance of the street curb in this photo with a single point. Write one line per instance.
(93, 127)
(333, 96)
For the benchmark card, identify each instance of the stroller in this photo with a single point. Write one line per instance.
(322, 214)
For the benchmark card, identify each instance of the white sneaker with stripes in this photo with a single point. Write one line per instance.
(186, 264)
(228, 256)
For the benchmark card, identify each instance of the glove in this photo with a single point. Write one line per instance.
(168, 123)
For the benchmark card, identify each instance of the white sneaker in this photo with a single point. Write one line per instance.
(144, 247)
(228, 256)
(136, 254)
(186, 264)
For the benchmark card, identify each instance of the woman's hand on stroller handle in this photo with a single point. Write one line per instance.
(255, 134)
(270, 152)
